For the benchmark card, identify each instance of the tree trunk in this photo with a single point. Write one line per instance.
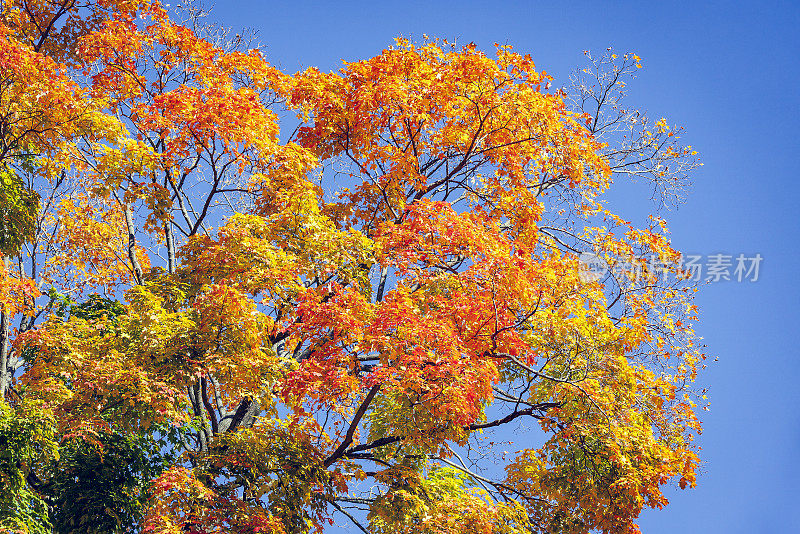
(5, 343)
(135, 265)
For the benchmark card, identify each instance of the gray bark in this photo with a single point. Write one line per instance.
(5, 345)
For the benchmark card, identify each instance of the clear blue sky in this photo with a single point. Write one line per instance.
(728, 73)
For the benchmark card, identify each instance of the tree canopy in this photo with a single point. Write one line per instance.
(211, 326)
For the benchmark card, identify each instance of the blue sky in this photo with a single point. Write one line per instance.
(726, 72)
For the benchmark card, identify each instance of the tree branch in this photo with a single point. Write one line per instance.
(348, 438)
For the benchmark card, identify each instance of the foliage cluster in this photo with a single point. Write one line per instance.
(207, 328)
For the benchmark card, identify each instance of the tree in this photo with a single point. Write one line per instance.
(341, 324)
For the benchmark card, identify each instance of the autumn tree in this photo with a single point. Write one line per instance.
(230, 332)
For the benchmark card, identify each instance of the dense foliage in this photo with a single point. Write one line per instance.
(210, 328)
